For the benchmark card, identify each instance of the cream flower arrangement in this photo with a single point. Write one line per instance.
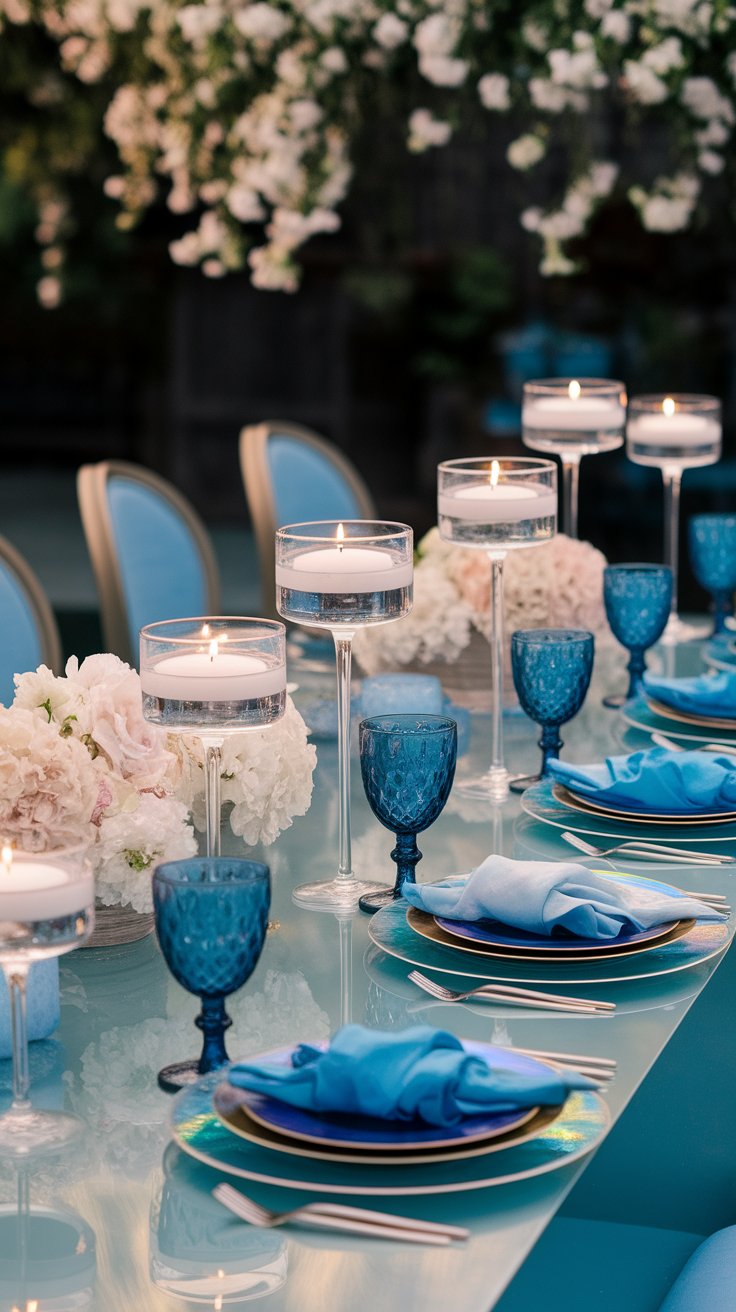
(79, 762)
(558, 584)
(246, 115)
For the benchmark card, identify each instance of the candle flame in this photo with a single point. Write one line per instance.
(495, 471)
(668, 406)
(340, 536)
(213, 648)
(6, 856)
(574, 390)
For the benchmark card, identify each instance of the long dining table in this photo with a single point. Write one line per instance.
(152, 1236)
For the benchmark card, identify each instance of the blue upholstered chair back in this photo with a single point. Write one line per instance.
(306, 484)
(161, 567)
(29, 633)
(21, 647)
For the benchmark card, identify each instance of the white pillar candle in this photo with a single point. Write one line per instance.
(502, 503)
(213, 676)
(344, 569)
(37, 889)
(573, 413)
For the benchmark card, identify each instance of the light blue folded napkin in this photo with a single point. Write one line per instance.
(415, 1074)
(655, 780)
(707, 694)
(543, 896)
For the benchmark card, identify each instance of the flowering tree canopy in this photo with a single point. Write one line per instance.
(245, 114)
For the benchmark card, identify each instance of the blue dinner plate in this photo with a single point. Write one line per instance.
(633, 808)
(340, 1130)
(639, 713)
(539, 801)
(493, 933)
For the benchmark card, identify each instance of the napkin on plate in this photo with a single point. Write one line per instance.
(415, 1074)
(655, 780)
(707, 694)
(543, 896)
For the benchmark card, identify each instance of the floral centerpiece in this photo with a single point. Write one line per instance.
(78, 762)
(245, 115)
(557, 584)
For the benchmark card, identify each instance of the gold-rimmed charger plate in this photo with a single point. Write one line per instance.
(688, 717)
(564, 947)
(577, 803)
(425, 925)
(239, 1122)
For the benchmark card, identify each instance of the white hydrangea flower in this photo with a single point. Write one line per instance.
(390, 31)
(577, 68)
(262, 22)
(547, 96)
(131, 843)
(526, 151)
(616, 25)
(665, 56)
(425, 130)
(711, 162)
(701, 96)
(493, 90)
(643, 84)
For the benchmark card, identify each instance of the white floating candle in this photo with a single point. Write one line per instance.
(217, 676)
(577, 412)
(674, 429)
(344, 569)
(498, 503)
(35, 888)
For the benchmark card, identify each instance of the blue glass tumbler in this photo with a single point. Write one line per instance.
(713, 558)
(211, 918)
(551, 669)
(408, 765)
(638, 599)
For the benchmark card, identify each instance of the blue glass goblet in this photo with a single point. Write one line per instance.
(713, 558)
(408, 765)
(211, 919)
(551, 669)
(638, 599)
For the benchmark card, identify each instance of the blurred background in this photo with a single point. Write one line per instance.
(408, 341)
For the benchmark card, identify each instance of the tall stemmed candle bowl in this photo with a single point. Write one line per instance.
(713, 559)
(341, 576)
(408, 764)
(46, 909)
(637, 599)
(674, 433)
(210, 676)
(572, 418)
(551, 669)
(211, 918)
(496, 506)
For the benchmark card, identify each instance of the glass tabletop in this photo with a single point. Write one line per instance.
(140, 1227)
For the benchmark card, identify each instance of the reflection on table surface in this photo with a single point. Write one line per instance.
(130, 1219)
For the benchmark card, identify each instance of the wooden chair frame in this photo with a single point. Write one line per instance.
(258, 487)
(94, 508)
(48, 630)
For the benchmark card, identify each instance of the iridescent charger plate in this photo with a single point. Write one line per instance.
(540, 803)
(640, 715)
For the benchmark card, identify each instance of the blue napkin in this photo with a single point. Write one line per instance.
(708, 694)
(655, 780)
(415, 1074)
(544, 896)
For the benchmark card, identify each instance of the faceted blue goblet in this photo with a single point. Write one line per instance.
(551, 669)
(713, 558)
(211, 918)
(408, 765)
(638, 599)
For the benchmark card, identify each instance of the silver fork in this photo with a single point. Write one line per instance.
(649, 852)
(337, 1216)
(507, 993)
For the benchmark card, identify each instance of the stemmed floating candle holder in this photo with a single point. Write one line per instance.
(572, 418)
(674, 433)
(210, 677)
(496, 506)
(342, 576)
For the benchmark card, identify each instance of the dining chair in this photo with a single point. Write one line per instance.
(292, 475)
(30, 633)
(151, 554)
